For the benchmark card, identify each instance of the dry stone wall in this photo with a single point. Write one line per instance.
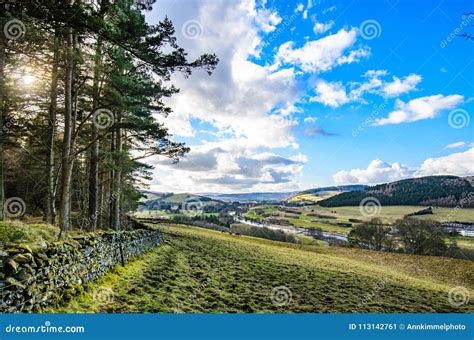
(45, 274)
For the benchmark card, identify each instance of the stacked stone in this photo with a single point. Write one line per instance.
(44, 274)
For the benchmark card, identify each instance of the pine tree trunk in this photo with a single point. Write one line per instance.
(101, 202)
(50, 211)
(118, 176)
(66, 169)
(112, 190)
(94, 159)
(2, 113)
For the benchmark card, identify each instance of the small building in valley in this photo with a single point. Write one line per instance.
(467, 232)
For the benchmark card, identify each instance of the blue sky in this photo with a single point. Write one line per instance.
(317, 93)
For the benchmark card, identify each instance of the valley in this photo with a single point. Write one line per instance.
(305, 217)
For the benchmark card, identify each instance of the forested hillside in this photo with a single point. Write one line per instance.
(443, 191)
(81, 86)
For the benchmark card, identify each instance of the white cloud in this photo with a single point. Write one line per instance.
(240, 95)
(249, 106)
(377, 172)
(330, 94)
(353, 56)
(228, 167)
(299, 8)
(420, 108)
(455, 145)
(459, 164)
(308, 7)
(289, 109)
(335, 94)
(322, 54)
(267, 20)
(310, 119)
(397, 86)
(320, 27)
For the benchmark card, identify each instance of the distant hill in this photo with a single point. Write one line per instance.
(443, 191)
(151, 195)
(164, 201)
(319, 194)
(252, 196)
(342, 188)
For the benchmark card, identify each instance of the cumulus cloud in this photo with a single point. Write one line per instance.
(330, 94)
(250, 106)
(320, 27)
(267, 20)
(420, 108)
(399, 86)
(460, 164)
(378, 171)
(335, 94)
(240, 94)
(323, 54)
(227, 167)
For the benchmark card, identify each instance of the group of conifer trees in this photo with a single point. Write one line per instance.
(81, 85)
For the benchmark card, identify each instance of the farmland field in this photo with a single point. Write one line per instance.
(313, 197)
(338, 219)
(199, 271)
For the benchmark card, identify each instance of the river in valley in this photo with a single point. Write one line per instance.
(292, 230)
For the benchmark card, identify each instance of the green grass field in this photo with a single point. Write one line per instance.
(391, 213)
(329, 217)
(204, 271)
(313, 197)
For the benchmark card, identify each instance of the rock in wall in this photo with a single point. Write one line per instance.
(41, 275)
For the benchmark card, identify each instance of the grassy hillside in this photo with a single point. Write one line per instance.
(251, 196)
(390, 214)
(184, 201)
(198, 271)
(445, 191)
(180, 198)
(319, 194)
(316, 197)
